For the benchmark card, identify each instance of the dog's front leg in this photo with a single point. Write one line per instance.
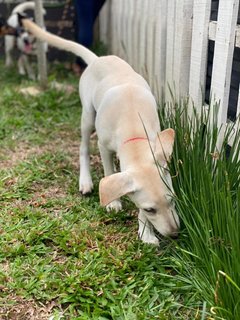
(28, 67)
(21, 68)
(145, 231)
(108, 166)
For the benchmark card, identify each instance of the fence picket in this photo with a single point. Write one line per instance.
(150, 41)
(198, 64)
(113, 42)
(104, 26)
(143, 36)
(183, 40)
(136, 34)
(170, 47)
(160, 48)
(238, 105)
(223, 55)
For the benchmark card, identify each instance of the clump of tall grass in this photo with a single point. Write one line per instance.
(206, 180)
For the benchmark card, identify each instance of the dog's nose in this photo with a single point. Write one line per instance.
(174, 235)
(25, 40)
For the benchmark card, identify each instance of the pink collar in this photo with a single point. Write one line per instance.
(134, 139)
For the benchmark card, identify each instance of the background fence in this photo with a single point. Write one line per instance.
(177, 43)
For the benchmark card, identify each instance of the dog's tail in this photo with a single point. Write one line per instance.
(58, 42)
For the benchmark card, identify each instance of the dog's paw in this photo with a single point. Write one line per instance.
(149, 238)
(22, 72)
(114, 205)
(9, 63)
(85, 186)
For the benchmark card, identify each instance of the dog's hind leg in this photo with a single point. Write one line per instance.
(108, 165)
(87, 125)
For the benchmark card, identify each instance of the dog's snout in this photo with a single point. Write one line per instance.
(26, 41)
(174, 231)
(174, 235)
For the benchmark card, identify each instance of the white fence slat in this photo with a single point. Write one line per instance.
(143, 35)
(183, 40)
(136, 33)
(237, 44)
(238, 105)
(115, 34)
(104, 24)
(124, 30)
(198, 66)
(160, 48)
(131, 35)
(150, 41)
(170, 47)
(179, 38)
(223, 55)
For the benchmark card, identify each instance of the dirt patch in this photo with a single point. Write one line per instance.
(20, 309)
(11, 158)
(41, 197)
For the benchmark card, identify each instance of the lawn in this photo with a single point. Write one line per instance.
(63, 257)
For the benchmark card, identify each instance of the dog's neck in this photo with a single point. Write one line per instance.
(135, 151)
(134, 139)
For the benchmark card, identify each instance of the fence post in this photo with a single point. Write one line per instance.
(41, 54)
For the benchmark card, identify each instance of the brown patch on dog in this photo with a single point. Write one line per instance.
(7, 30)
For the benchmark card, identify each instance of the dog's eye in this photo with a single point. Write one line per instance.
(150, 210)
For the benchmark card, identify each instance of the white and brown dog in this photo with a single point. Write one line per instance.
(23, 40)
(119, 102)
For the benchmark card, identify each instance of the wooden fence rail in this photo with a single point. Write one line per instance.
(167, 42)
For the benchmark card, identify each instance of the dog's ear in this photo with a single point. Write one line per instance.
(21, 16)
(164, 146)
(115, 186)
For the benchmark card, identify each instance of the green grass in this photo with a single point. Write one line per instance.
(208, 200)
(62, 255)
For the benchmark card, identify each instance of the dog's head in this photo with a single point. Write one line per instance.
(149, 186)
(26, 42)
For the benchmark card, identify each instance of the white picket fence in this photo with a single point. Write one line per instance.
(167, 42)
